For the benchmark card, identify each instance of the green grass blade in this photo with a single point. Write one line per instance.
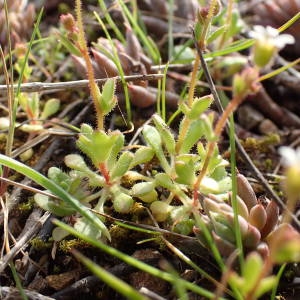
(237, 231)
(234, 47)
(114, 282)
(278, 276)
(14, 106)
(152, 49)
(110, 21)
(289, 23)
(279, 70)
(55, 189)
(163, 93)
(18, 282)
(35, 31)
(170, 29)
(118, 64)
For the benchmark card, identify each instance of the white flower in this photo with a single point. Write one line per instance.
(290, 156)
(291, 162)
(267, 42)
(271, 35)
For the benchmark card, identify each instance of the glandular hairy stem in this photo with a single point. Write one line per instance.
(94, 89)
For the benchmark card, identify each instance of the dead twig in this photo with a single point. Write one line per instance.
(9, 292)
(32, 226)
(78, 84)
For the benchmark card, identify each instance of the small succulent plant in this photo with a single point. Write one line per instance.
(113, 166)
(133, 61)
(21, 16)
(256, 219)
(31, 106)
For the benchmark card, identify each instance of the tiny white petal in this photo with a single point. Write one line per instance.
(284, 39)
(272, 32)
(289, 156)
(259, 29)
(255, 35)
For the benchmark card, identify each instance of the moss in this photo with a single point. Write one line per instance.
(268, 164)
(138, 210)
(26, 206)
(67, 245)
(263, 144)
(38, 244)
(118, 233)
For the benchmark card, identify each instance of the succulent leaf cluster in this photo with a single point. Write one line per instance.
(256, 219)
(167, 191)
(112, 58)
(21, 16)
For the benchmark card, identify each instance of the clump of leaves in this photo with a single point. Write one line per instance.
(256, 220)
(21, 16)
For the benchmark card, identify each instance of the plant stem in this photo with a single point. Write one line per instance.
(186, 121)
(95, 93)
(228, 21)
(258, 175)
(230, 108)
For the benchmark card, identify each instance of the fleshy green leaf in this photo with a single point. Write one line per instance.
(97, 145)
(107, 98)
(85, 227)
(142, 155)
(165, 133)
(265, 285)
(51, 107)
(185, 170)
(122, 165)
(55, 189)
(252, 269)
(164, 180)
(152, 137)
(47, 204)
(194, 133)
(199, 106)
(215, 34)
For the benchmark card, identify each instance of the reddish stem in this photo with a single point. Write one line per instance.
(104, 171)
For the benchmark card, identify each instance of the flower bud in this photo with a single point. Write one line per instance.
(122, 203)
(245, 83)
(160, 210)
(69, 23)
(284, 244)
(145, 191)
